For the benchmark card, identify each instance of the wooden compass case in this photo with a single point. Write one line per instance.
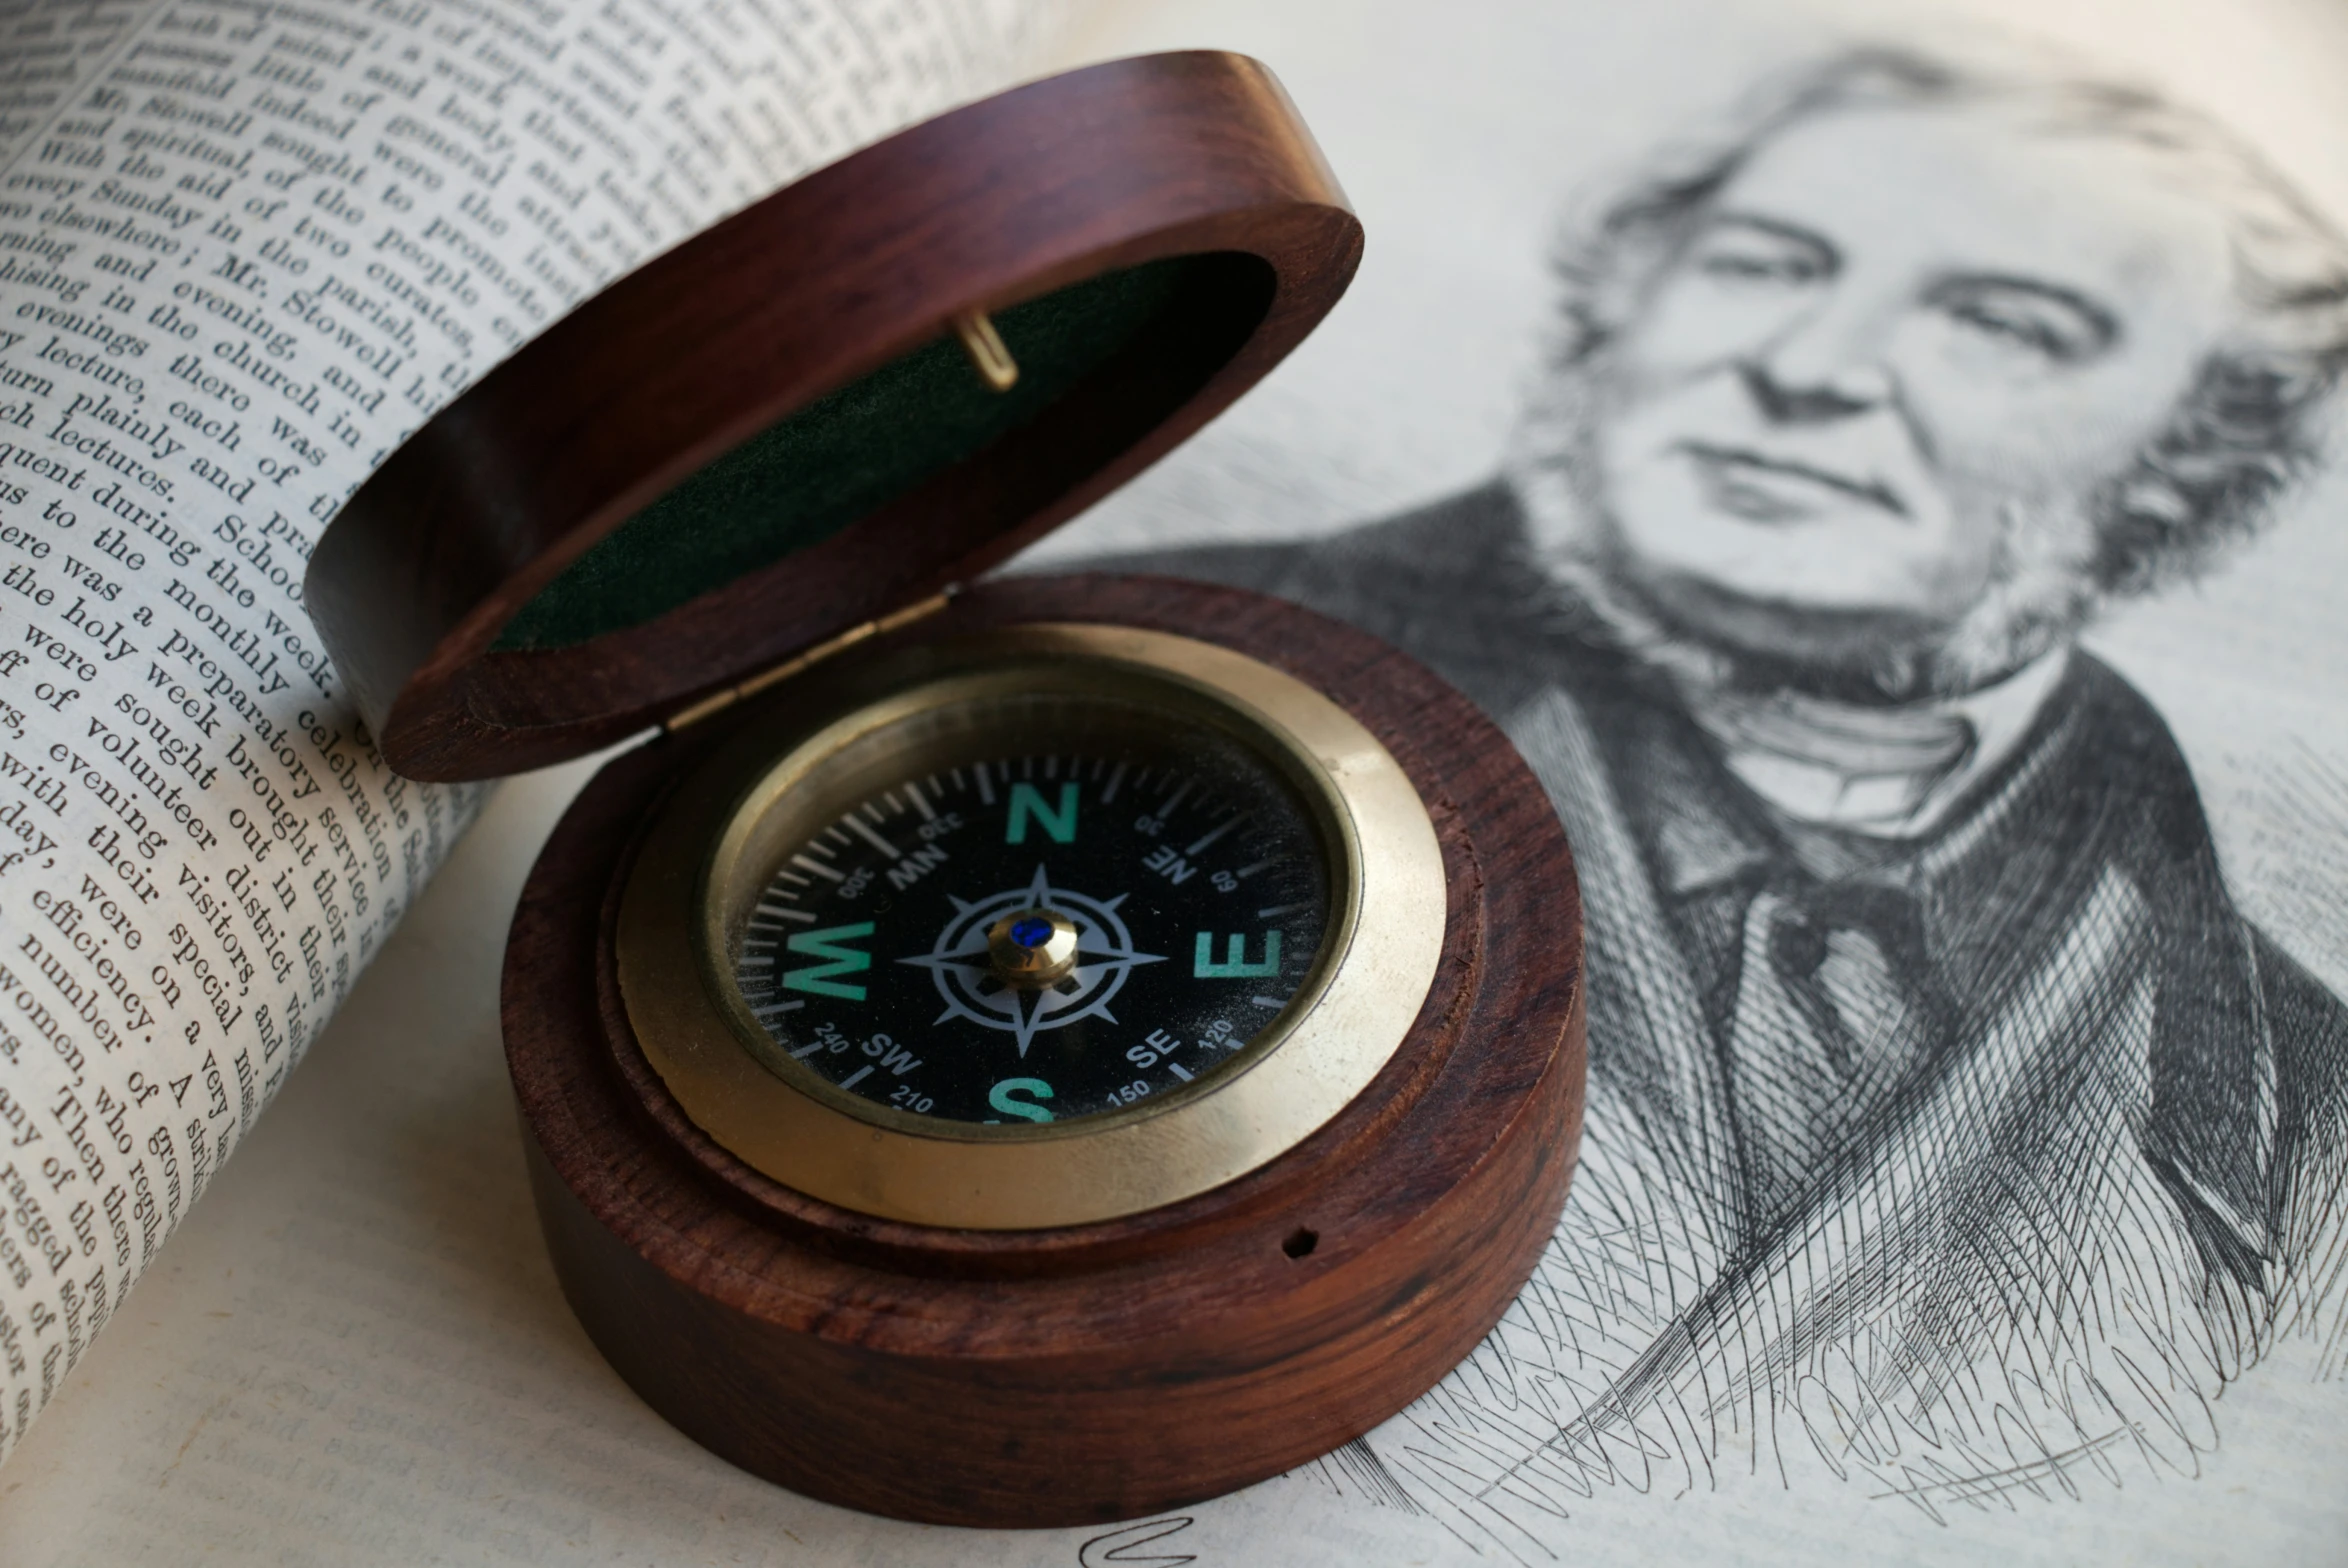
(672, 509)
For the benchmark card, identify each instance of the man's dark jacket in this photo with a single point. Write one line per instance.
(2118, 1181)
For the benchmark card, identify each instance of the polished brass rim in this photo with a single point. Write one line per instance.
(709, 850)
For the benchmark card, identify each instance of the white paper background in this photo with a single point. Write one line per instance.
(355, 1352)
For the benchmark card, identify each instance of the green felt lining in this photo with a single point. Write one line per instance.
(841, 458)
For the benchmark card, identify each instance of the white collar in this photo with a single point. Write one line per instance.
(1798, 753)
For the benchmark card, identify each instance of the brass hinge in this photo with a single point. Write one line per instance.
(717, 702)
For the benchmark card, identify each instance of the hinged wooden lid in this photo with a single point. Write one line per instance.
(771, 434)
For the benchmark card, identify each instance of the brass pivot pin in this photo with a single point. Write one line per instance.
(984, 345)
(1030, 949)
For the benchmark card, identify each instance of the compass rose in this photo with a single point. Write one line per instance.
(967, 974)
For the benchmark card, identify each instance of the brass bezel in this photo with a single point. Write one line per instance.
(1342, 1027)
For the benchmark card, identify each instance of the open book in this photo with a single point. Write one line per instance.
(1841, 467)
(245, 252)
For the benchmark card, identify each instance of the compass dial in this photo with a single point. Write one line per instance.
(1036, 926)
(1106, 910)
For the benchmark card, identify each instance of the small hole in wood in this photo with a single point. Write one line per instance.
(1301, 1243)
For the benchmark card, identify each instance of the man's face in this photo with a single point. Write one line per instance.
(1895, 339)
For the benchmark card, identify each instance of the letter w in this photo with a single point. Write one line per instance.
(817, 978)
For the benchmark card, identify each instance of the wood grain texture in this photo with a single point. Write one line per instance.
(1103, 1371)
(704, 347)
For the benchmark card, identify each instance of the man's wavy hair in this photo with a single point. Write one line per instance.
(2251, 424)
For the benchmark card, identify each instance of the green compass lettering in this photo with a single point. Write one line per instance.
(839, 960)
(1045, 935)
(1235, 965)
(1027, 805)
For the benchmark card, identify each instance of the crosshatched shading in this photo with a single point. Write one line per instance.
(1953, 1137)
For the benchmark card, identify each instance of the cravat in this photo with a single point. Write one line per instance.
(1831, 763)
(1833, 1009)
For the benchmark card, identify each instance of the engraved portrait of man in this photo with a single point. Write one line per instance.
(1951, 1134)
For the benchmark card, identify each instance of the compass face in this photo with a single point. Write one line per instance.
(1051, 908)
(1034, 926)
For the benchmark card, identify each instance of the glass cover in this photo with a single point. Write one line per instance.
(1029, 909)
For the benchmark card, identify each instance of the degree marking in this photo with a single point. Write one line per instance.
(874, 839)
(817, 867)
(1228, 823)
(856, 1077)
(1115, 779)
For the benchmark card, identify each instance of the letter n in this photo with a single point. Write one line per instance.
(1058, 823)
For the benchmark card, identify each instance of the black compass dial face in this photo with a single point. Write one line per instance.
(1054, 908)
